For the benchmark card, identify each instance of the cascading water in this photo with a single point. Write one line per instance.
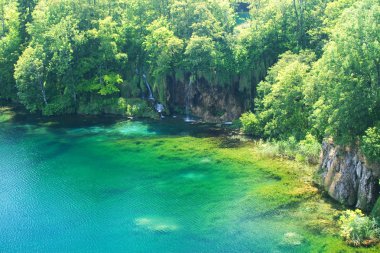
(188, 93)
(159, 108)
(156, 105)
(148, 87)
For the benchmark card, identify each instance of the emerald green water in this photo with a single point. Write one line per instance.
(110, 185)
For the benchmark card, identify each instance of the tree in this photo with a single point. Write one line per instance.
(164, 51)
(25, 8)
(10, 42)
(30, 75)
(281, 105)
(200, 54)
(345, 82)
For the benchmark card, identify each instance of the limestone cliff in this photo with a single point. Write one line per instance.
(211, 103)
(348, 177)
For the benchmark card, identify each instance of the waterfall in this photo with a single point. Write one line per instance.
(148, 87)
(159, 108)
(188, 94)
(155, 104)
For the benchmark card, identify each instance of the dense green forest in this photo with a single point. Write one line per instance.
(302, 67)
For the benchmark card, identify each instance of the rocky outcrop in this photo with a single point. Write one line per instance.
(348, 178)
(211, 103)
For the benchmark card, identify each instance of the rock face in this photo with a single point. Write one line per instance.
(211, 103)
(348, 178)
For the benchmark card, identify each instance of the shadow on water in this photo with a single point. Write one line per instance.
(97, 123)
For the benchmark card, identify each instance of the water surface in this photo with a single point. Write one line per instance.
(110, 185)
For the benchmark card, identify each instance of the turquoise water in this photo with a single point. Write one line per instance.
(110, 185)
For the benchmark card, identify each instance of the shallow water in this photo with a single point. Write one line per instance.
(90, 185)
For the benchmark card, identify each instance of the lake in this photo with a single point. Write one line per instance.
(87, 184)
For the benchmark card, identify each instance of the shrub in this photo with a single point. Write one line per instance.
(370, 144)
(288, 147)
(59, 105)
(310, 148)
(304, 151)
(358, 229)
(270, 149)
(250, 124)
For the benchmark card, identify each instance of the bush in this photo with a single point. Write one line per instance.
(310, 148)
(370, 144)
(358, 229)
(270, 149)
(304, 151)
(288, 147)
(250, 124)
(136, 107)
(59, 105)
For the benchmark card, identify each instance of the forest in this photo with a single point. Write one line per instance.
(302, 67)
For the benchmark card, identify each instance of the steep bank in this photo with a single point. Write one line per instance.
(348, 177)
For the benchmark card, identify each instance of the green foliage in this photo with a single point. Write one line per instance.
(100, 105)
(338, 95)
(10, 41)
(344, 85)
(200, 53)
(164, 51)
(358, 229)
(276, 27)
(139, 108)
(281, 105)
(136, 108)
(111, 81)
(306, 151)
(310, 149)
(30, 76)
(301, 66)
(62, 105)
(250, 124)
(89, 46)
(376, 210)
(370, 144)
